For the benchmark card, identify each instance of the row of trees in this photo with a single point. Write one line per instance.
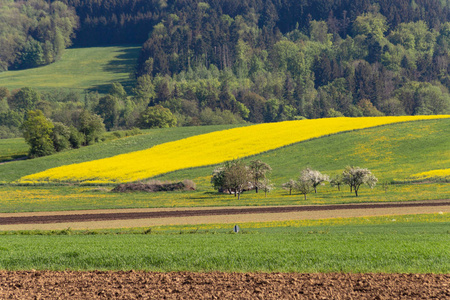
(46, 137)
(235, 177)
(116, 109)
(103, 22)
(310, 179)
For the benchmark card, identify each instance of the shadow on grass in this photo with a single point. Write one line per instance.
(124, 63)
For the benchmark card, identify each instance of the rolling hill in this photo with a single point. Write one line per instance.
(80, 69)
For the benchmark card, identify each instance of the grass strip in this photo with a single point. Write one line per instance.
(414, 247)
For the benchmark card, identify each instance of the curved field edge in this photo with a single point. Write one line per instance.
(207, 149)
(12, 171)
(435, 175)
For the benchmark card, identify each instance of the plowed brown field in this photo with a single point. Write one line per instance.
(217, 285)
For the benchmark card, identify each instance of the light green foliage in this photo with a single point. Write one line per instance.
(369, 23)
(108, 108)
(289, 57)
(414, 36)
(427, 98)
(37, 131)
(60, 136)
(157, 117)
(91, 126)
(118, 91)
(318, 31)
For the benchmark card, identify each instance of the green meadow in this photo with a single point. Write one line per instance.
(92, 68)
(401, 247)
(12, 149)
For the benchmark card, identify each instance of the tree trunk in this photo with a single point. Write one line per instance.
(305, 196)
(256, 189)
(239, 196)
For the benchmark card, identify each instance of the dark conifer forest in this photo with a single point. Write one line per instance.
(230, 61)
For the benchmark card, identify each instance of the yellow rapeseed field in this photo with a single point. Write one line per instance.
(207, 149)
(433, 174)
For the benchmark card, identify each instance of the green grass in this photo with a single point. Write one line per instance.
(407, 247)
(79, 68)
(13, 171)
(57, 198)
(12, 148)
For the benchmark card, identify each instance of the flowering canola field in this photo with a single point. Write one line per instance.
(433, 174)
(207, 149)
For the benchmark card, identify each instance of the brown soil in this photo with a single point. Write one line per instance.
(218, 285)
(64, 218)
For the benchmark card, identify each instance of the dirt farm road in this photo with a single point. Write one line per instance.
(166, 216)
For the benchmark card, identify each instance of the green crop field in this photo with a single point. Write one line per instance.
(410, 245)
(80, 68)
(12, 149)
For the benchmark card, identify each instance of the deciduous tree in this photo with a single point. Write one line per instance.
(157, 117)
(314, 177)
(37, 131)
(258, 172)
(356, 176)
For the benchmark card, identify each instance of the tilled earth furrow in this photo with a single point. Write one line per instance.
(205, 212)
(220, 285)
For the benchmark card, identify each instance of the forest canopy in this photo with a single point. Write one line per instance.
(229, 61)
(34, 33)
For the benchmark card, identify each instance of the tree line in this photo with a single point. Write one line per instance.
(260, 75)
(236, 177)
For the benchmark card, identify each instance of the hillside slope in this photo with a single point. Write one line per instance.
(214, 148)
(81, 69)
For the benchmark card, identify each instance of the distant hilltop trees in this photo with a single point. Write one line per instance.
(34, 33)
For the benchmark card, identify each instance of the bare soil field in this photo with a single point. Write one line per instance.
(166, 216)
(218, 285)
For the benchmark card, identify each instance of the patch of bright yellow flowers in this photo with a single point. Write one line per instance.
(207, 149)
